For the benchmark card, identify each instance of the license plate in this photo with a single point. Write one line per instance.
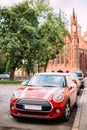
(32, 107)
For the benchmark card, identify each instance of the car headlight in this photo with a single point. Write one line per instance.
(16, 94)
(58, 97)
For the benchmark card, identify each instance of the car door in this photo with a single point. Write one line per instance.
(72, 90)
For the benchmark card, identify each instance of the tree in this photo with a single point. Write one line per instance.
(3, 64)
(23, 38)
(52, 33)
(18, 33)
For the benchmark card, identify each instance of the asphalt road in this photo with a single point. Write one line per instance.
(7, 122)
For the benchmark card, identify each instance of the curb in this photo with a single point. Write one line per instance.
(78, 113)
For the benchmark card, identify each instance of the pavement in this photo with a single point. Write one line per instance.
(80, 121)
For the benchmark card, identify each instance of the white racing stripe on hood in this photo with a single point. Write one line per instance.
(23, 92)
(49, 93)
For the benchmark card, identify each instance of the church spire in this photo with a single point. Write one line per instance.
(73, 15)
(73, 24)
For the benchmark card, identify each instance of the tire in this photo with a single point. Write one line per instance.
(82, 86)
(78, 93)
(67, 112)
(76, 105)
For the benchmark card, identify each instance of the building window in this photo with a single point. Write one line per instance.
(58, 59)
(67, 62)
(62, 59)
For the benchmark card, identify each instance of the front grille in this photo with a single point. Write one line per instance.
(45, 105)
(34, 113)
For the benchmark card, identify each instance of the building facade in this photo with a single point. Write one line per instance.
(74, 55)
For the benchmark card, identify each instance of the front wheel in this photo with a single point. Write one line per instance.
(67, 112)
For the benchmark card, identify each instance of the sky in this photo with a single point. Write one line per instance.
(80, 7)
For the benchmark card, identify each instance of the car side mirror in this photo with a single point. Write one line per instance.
(72, 85)
(24, 83)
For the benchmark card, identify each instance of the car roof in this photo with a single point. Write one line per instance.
(77, 71)
(72, 73)
(52, 73)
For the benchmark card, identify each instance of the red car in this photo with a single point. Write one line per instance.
(45, 95)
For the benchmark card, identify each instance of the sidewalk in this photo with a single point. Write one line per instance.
(80, 122)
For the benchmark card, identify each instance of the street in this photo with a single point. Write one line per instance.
(7, 122)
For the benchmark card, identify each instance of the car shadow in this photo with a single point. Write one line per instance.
(48, 121)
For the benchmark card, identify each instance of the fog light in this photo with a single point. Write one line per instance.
(57, 110)
(12, 107)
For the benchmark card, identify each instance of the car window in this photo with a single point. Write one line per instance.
(69, 80)
(47, 80)
(79, 74)
(73, 76)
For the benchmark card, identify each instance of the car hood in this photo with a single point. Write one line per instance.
(40, 92)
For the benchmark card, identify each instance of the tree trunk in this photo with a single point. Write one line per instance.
(12, 73)
(45, 66)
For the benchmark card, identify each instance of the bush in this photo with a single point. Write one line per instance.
(10, 81)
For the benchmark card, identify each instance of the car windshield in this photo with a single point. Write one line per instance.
(73, 76)
(47, 80)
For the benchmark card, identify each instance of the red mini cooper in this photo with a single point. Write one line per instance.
(45, 95)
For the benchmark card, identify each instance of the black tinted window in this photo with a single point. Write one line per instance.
(79, 74)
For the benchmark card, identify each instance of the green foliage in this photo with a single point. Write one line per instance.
(2, 64)
(17, 33)
(54, 30)
(22, 37)
(52, 34)
(10, 81)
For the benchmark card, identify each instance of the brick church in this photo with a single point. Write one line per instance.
(74, 56)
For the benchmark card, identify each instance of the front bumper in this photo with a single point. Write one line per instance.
(53, 110)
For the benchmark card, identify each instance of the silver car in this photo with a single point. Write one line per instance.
(80, 77)
(4, 76)
(76, 80)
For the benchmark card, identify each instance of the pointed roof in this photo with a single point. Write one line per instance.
(73, 15)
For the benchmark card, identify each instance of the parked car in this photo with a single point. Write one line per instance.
(80, 77)
(76, 80)
(4, 76)
(45, 95)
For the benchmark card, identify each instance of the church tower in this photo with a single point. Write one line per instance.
(73, 25)
(74, 42)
